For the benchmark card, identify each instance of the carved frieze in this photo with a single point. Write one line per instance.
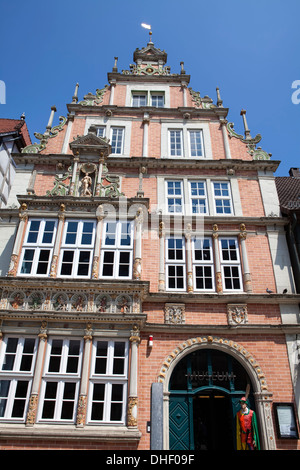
(59, 301)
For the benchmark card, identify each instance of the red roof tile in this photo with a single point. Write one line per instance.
(15, 125)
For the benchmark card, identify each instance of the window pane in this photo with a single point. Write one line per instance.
(108, 263)
(116, 140)
(83, 263)
(20, 399)
(196, 143)
(27, 261)
(116, 402)
(68, 401)
(157, 101)
(100, 131)
(139, 100)
(175, 143)
(49, 401)
(98, 402)
(67, 263)
(125, 234)
(71, 233)
(73, 358)
(110, 236)
(124, 263)
(101, 357)
(55, 355)
(10, 354)
(43, 262)
(33, 231)
(27, 355)
(48, 232)
(87, 233)
(4, 388)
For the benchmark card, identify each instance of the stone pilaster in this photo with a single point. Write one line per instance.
(132, 414)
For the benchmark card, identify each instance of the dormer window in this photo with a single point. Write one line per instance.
(139, 100)
(148, 98)
(157, 100)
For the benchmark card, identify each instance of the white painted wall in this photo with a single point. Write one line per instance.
(7, 236)
(281, 260)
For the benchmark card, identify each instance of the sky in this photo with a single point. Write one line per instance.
(249, 49)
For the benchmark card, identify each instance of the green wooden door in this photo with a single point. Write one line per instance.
(181, 423)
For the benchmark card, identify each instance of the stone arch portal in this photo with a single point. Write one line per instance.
(261, 393)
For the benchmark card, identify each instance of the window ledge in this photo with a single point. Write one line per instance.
(66, 432)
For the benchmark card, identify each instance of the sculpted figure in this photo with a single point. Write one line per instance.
(246, 428)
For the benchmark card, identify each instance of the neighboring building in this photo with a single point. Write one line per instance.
(288, 188)
(13, 137)
(144, 293)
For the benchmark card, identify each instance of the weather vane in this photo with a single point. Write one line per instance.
(147, 26)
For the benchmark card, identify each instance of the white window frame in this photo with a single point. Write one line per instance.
(136, 95)
(16, 375)
(203, 263)
(178, 197)
(101, 130)
(198, 154)
(60, 378)
(108, 379)
(157, 94)
(186, 128)
(231, 263)
(37, 247)
(76, 248)
(176, 263)
(222, 198)
(179, 152)
(147, 88)
(120, 130)
(198, 197)
(108, 124)
(117, 248)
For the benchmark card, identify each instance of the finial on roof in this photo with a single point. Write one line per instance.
(219, 101)
(50, 122)
(150, 38)
(115, 67)
(23, 117)
(182, 69)
(75, 97)
(247, 130)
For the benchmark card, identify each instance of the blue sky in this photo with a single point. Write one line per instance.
(249, 49)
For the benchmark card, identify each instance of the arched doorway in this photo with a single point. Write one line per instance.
(205, 388)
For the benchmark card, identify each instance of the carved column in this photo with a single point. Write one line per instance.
(161, 279)
(245, 265)
(82, 401)
(100, 216)
(34, 397)
(98, 191)
(133, 398)
(218, 273)
(61, 221)
(188, 235)
(12, 271)
(137, 264)
(225, 138)
(69, 128)
(112, 90)
(74, 174)
(146, 121)
(184, 87)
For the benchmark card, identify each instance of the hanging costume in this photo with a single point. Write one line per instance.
(246, 430)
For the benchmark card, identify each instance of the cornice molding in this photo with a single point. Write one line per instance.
(150, 162)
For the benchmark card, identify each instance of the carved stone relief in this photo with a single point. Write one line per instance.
(175, 313)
